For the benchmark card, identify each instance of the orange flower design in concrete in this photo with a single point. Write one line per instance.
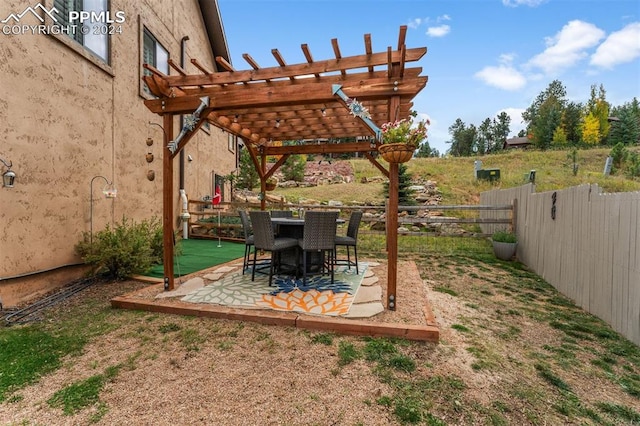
(311, 302)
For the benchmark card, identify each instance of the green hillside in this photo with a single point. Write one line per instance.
(455, 177)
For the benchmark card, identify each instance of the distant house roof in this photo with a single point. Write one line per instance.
(520, 142)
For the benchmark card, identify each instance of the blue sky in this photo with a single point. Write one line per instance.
(483, 56)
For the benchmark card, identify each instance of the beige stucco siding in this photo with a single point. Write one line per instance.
(66, 118)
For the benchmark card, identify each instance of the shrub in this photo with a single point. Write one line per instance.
(248, 175)
(633, 169)
(619, 154)
(293, 168)
(504, 237)
(126, 249)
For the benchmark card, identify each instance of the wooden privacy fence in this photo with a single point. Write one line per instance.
(584, 243)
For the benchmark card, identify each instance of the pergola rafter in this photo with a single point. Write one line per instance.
(294, 102)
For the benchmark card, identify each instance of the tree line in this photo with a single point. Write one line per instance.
(551, 121)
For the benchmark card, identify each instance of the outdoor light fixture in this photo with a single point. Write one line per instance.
(109, 191)
(277, 123)
(8, 177)
(324, 112)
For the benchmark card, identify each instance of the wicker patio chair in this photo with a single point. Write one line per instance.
(350, 240)
(263, 239)
(280, 213)
(319, 238)
(248, 238)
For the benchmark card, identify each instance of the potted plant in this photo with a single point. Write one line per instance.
(401, 138)
(504, 244)
(270, 184)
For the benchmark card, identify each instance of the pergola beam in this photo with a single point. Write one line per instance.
(299, 93)
(321, 148)
(232, 76)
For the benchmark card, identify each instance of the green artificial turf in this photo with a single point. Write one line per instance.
(196, 255)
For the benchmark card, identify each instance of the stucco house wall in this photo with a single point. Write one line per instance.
(66, 117)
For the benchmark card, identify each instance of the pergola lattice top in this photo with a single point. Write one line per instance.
(296, 102)
(291, 102)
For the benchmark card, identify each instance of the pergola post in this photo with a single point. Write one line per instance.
(392, 237)
(263, 183)
(167, 204)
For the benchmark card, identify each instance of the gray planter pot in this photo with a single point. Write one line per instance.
(504, 251)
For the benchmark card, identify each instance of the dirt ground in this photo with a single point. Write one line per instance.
(218, 372)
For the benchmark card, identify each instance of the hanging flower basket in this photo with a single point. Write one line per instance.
(396, 152)
(270, 186)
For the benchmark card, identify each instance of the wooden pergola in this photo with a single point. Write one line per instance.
(313, 103)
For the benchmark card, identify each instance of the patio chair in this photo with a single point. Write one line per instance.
(350, 240)
(319, 238)
(280, 213)
(263, 239)
(248, 238)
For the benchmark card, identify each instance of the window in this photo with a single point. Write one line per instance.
(94, 40)
(154, 54)
(218, 185)
(232, 142)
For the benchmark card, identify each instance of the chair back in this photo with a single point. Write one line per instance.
(281, 213)
(262, 229)
(319, 230)
(354, 224)
(246, 224)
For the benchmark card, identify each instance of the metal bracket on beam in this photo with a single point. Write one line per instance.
(357, 110)
(189, 124)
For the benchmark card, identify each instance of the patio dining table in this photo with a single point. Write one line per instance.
(293, 227)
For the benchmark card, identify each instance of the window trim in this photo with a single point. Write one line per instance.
(80, 49)
(232, 142)
(141, 30)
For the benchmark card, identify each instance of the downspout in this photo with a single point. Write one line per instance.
(185, 214)
(185, 205)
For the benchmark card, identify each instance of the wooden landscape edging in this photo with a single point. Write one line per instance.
(425, 333)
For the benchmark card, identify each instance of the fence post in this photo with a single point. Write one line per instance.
(514, 215)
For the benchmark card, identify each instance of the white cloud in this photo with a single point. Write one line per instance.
(516, 3)
(414, 23)
(620, 47)
(567, 47)
(443, 18)
(439, 31)
(507, 58)
(503, 77)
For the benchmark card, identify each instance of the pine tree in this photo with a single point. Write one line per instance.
(248, 175)
(405, 193)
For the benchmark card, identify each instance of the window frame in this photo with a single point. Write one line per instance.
(80, 49)
(219, 180)
(79, 42)
(146, 31)
(231, 142)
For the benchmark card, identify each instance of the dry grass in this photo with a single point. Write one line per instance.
(455, 178)
(512, 351)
